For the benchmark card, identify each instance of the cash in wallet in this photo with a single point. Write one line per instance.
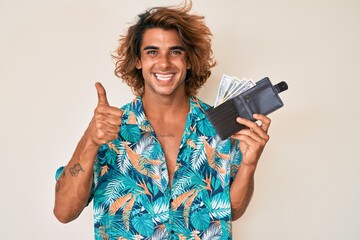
(261, 98)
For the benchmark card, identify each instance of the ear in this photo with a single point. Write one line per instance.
(188, 65)
(138, 64)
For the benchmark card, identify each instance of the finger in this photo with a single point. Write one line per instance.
(108, 111)
(107, 133)
(248, 123)
(245, 139)
(113, 120)
(265, 121)
(251, 134)
(254, 127)
(114, 111)
(102, 100)
(107, 137)
(112, 129)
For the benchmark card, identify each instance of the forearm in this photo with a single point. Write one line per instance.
(242, 190)
(74, 185)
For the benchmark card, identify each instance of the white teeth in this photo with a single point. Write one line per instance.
(164, 77)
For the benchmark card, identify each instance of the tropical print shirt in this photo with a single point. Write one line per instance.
(131, 191)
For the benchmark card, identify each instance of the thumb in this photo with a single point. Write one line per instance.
(101, 94)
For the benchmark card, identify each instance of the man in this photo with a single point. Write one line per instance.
(156, 168)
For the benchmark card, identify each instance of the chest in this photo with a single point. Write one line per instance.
(169, 135)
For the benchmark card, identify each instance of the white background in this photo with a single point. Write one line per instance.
(307, 183)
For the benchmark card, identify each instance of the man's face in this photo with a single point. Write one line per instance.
(163, 62)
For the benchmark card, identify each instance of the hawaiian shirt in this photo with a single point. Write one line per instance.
(132, 195)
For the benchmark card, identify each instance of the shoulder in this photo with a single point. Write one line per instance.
(135, 104)
(199, 103)
(132, 111)
(198, 108)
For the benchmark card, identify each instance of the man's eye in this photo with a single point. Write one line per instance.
(151, 52)
(176, 52)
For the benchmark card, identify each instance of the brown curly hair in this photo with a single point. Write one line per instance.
(194, 34)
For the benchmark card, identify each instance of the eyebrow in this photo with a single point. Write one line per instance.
(171, 48)
(177, 48)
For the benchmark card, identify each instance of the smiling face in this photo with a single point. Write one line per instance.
(163, 62)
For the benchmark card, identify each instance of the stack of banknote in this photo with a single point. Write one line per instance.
(231, 87)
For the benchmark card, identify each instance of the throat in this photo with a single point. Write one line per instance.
(165, 107)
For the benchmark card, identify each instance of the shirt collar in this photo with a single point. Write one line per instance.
(133, 113)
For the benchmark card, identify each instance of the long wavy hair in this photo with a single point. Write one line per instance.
(194, 34)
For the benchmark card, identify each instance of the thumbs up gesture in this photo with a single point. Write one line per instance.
(105, 124)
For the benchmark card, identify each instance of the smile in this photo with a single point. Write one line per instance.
(163, 77)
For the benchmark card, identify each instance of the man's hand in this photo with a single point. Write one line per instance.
(252, 142)
(253, 138)
(105, 124)
(73, 189)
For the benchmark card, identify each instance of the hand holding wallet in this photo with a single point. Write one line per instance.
(263, 99)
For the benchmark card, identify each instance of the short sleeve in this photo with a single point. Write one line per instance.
(96, 175)
(235, 158)
(92, 192)
(59, 172)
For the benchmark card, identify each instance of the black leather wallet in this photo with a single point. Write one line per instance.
(263, 98)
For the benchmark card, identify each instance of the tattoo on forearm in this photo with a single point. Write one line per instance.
(75, 169)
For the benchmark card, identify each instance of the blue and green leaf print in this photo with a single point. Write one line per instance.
(133, 198)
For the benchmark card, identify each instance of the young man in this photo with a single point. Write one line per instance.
(156, 168)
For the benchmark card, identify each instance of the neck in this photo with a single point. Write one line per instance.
(160, 107)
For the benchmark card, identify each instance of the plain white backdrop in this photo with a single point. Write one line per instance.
(307, 183)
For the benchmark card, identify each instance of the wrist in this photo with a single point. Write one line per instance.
(88, 145)
(244, 175)
(87, 150)
(247, 169)
(88, 141)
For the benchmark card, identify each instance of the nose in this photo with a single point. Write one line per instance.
(163, 62)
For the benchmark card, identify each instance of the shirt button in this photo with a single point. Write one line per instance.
(172, 232)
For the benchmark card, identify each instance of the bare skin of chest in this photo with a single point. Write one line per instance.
(169, 135)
